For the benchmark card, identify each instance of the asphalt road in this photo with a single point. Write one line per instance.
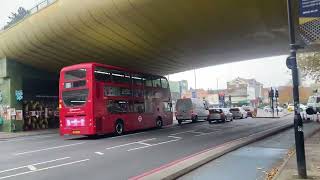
(51, 157)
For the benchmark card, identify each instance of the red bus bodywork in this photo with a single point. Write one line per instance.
(93, 97)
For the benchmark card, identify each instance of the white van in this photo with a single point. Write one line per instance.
(191, 109)
(314, 103)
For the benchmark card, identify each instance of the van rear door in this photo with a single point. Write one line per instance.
(184, 109)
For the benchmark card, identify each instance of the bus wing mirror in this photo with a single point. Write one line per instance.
(170, 104)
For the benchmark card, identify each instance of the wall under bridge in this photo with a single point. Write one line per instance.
(25, 93)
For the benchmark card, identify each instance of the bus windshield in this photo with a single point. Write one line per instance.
(75, 97)
(75, 74)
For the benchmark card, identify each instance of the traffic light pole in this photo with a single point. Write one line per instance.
(298, 125)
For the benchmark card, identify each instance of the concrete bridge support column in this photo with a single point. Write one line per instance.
(10, 104)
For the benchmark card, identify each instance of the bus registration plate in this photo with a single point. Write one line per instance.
(75, 132)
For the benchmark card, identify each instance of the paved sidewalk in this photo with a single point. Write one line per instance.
(312, 146)
(252, 161)
(262, 114)
(5, 135)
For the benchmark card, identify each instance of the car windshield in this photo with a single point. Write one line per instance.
(234, 109)
(215, 111)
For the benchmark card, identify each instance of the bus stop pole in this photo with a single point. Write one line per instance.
(298, 125)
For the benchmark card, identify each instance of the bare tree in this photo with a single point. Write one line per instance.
(309, 64)
(17, 16)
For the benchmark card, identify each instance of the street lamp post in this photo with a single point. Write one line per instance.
(298, 125)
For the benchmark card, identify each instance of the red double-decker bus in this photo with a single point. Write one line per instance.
(100, 99)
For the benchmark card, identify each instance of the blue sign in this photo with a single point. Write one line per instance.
(19, 95)
(194, 94)
(309, 8)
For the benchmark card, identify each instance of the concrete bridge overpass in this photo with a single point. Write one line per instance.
(159, 36)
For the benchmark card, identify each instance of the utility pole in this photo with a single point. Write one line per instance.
(277, 95)
(195, 79)
(298, 125)
(217, 83)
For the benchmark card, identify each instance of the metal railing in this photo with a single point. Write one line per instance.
(31, 11)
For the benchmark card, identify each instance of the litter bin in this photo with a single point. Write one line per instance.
(1, 121)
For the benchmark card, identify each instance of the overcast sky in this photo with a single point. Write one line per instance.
(269, 71)
(8, 6)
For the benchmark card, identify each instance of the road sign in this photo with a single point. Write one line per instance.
(309, 8)
(309, 20)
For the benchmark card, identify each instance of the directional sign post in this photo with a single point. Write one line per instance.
(292, 64)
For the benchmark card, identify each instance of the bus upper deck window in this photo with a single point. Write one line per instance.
(75, 74)
(164, 83)
(157, 83)
(102, 74)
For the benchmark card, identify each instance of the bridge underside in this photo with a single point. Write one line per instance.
(158, 36)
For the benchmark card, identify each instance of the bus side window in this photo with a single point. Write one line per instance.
(148, 82)
(164, 83)
(117, 106)
(138, 106)
(120, 77)
(157, 83)
(102, 74)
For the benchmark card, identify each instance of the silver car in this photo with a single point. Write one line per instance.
(238, 112)
(219, 115)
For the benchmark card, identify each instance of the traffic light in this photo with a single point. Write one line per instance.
(271, 93)
(277, 93)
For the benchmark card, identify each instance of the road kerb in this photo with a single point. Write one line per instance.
(185, 165)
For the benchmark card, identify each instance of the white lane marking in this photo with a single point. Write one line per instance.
(46, 149)
(42, 169)
(203, 134)
(32, 168)
(164, 142)
(25, 138)
(183, 132)
(115, 137)
(34, 164)
(99, 153)
(175, 137)
(197, 132)
(146, 144)
(122, 145)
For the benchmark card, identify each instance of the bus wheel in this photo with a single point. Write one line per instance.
(159, 123)
(119, 128)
